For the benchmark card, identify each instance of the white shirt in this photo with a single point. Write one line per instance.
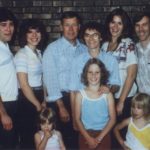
(143, 75)
(126, 56)
(28, 62)
(8, 78)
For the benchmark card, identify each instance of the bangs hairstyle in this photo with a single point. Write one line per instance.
(32, 24)
(142, 100)
(47, 114)
(126, 21)
(70, 14)
(104, 73)
(92, 25)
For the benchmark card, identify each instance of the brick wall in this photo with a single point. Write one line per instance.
(49, 11)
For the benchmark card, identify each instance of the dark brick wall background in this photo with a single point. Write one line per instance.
(49, 11)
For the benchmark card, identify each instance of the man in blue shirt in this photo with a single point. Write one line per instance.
(57, 62)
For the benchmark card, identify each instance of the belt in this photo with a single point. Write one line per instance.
(37, 88)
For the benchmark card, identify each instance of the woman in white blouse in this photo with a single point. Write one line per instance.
(119, 44)
(29, 72)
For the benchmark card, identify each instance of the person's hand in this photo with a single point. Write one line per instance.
(103, 89)
(64, 115)
(92, 143)
(38, 107)
(119, 107)
(47, 134)
(43, 104)
(6, 122)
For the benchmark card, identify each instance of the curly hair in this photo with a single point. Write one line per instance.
(104, 72)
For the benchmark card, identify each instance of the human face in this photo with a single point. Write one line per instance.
(142, 29)
(46, 126)
(92, 39)
(93, 75)
(70, 28)
(33, 38)
(137, 111)
(6, 30)
(116, 27)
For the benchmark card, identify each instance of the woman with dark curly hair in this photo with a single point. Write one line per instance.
(94, 113)
(29, 71)
(119, 44)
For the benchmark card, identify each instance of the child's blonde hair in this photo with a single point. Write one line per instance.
(143, 101)
(47, 114)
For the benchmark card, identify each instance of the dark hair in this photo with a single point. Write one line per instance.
(92, 25)
(127, 24)
(140, 15)
(70, 14)
(143, 101)
(104, 72)
(32, 24)
(6, 14)
(47, 114)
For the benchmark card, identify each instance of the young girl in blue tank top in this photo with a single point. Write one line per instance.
(94, 112)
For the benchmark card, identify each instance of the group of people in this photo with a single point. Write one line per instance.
(70, 94)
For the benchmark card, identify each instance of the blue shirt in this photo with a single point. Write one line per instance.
(78, 64)
(94, 112)
(57, 62)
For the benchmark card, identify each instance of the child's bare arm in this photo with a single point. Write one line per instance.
(40, 144)
(117, 129)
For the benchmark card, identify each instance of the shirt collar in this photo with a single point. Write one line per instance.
(66, 42)
(5, 45)
(141, 47)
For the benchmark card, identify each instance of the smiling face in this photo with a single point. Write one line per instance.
(6, 30)
(142, 29)
(93, 75)
(33, 38)
(92, 39)
(70, 28)
(116, 27)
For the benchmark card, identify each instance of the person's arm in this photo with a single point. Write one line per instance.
(112, 118)
(131, 75)
(61, 142)
(51, 81)
(27, 90)
(114, 78)
(117, 130)
(41, 144)
(4, 117)
(63, 113)
(90, 140)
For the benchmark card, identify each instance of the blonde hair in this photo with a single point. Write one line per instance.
(143, 101)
